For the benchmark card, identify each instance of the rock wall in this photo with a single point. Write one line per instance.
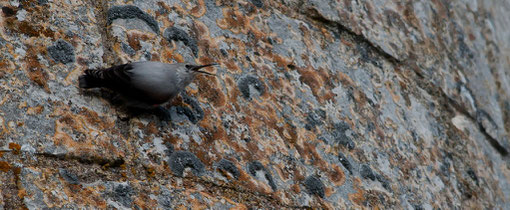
(316, 104)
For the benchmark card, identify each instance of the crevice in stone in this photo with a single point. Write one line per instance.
(494, 142)
(70, 162)
(258, 196)
(342, 29)
(106, 162)
(420, 79)
(101, 15)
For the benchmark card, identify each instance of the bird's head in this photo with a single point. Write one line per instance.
(195, 69)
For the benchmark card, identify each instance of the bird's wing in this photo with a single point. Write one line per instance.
(119, 75)
(156, 80)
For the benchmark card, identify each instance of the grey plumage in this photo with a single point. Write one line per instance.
(145, 84)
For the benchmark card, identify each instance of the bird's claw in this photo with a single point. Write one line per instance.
(163, 113)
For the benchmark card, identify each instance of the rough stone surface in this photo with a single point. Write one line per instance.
(324, 104)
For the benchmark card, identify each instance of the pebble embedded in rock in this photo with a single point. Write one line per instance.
(255, 166)
(180, 160)
(315, 186)
(345, 162)
(130, 11)
(62, 52)
(177, 34)
(230, 167)
(245, 83)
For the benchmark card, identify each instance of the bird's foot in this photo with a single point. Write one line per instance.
(163, 113)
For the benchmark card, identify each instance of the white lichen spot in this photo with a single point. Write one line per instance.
(21, 15)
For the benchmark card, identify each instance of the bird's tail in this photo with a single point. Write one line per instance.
(91, 79)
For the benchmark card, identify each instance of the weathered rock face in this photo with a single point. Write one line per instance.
(322, 104)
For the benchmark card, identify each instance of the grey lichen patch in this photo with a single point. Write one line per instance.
(182, 110)
(180, 160)
(314, 186)
(340, 137)
(257, 3)
(472, 175)
(315, 118)
(367, 173)
(130, 11)
(230, 167)
(122, 193)
(196, 113)
(251, 81)
(62, 52)
(128, 49)
(177, 34)
(255, 166)
(165, 199)
(68, 176)
(345, 162)
(384, 182)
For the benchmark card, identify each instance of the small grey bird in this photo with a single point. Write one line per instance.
(145, 84)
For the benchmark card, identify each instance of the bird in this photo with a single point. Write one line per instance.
(144, 84)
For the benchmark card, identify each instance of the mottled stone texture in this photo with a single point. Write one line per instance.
(327, 104)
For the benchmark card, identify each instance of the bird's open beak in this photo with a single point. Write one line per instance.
(196, 68)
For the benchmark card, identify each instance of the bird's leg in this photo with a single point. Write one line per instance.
(116, 99)
(163, 113)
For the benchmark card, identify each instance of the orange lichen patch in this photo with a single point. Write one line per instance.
(15, 148)
(155, 57)
(358, 197)
(34, 69)
(295, 188)
(145, 202)
(169, 55)
(327, 34)
(23, 27)
(4, 166)
(258, 186)
(239, 206)
(336, 174)
(234, 21)
(172, 139)
(307, 38)
(35, 110)
(346, 80)
(209, 88)
(88, 130)
(281, 61)
(391, 88)
(6, 67)
(314, 80)
(87, 195)
(73, 75)
(287, 132)
(198, 10)
(3, 128)
(441, 8)
(22, 105)
(196, 204)
(40, 77)
(359, 97)
(311, 154)
(232, 66)
(133, 39)
(410, 16)
(151, 128)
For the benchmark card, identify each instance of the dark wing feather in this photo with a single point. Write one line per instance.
(115, 78)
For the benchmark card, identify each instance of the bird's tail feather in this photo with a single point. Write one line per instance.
(90, 79)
